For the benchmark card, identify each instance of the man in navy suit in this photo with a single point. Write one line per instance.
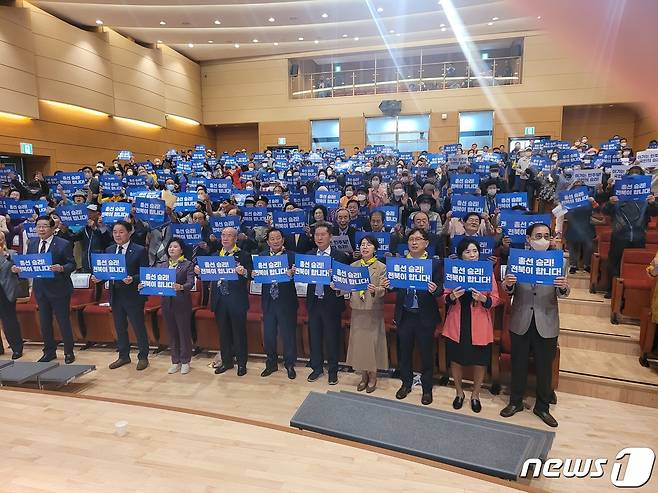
(325, 307)
(230, 302)
(279, 304)
(53, 295)
(125, 300)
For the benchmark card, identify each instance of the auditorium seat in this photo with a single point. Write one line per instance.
(303, 344)
(647, 335)
(598, 277)
(80, 299)
(631, 291)
(150, 308)
(205, 327)
(28, 318)
(97, 320)
(255, 343)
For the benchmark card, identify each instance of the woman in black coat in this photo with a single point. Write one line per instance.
(8, 293)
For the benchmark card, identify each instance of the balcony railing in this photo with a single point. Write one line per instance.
(407, 78)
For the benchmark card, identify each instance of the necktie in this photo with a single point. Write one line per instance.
(120, 250)
(319, 288)
(274, 290)
(410, 299)
(43, 247)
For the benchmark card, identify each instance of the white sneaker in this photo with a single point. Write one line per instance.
(185, 369)
(173, 368)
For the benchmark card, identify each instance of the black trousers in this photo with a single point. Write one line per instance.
(324, 328)
(411, 329)
(617, 248)
(543, 350)
(60, 307)
(232, 328)
(280, 319)
(10, 324)
(121, 313)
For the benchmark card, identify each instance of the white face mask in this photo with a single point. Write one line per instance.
(361, 197)
(375, 183)
(495, 174)
(367, 169)
(540, 245)
(349, 193)
(398, 193)
(425, 207)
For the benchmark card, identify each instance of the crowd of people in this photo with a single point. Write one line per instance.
(422, 190)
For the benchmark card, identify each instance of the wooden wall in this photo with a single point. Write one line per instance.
(599, 122)
(236, 137)
(297, 133)
(646, 130)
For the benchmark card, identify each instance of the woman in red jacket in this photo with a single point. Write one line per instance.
(468, 329)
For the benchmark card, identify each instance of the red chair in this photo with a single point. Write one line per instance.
(98, 322)
(80, 299)
(205, 327)
(647, 336)
(598, 277)
(255, 342)
(631, 291)
(27, 312)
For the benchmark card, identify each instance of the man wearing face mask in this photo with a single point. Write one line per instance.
(489, 191)
(494, 179)
(534, 325)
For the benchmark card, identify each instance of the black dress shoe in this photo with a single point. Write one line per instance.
(314, 376)
(16, 355)
(546, 417)
(292, 374)
(222, 368)
(47, 358)
(69, 358)
(426, 400)
(511, 410)
(553, 399)
(476, 406)
(333, 378)
(142, 364)
(267, 372)
(458, 402)
(119, 363)
(573, 270)
(242, 371)
(402, 392)
(607, 295)
(588, 269)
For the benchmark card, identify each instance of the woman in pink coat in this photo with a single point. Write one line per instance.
(468, 329)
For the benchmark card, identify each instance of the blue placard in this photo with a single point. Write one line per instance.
(468, 274)
(133, 192)
(198, 165)
(450, 148)
(163, 175)
(34, 265)
(137, 181)
(112, 212)
(631, 188)
(463, 204)
(289, 222)
(183, 167)
(274, 201)
(111, 184)
(330, 199)
(24, 209)
(71, 182)
(157, 281)
(216, 268)
(219, 189)
(505, 201)
(354, 179)
(108, 266)
(200, 147)
(270, 268)
(569, 156)
(589, 177)
(574, 198)
(383, 238)
(150, 210)
(124, 155)
(391, 215)
(312, 269)
(255, 216)
(185, 202)
(248, 175)
(52, 181)
(195, 181)
(30, 230)
(486, 243)
(408, 273)
(535, 267)
(348, 278)
(189, 233)
(73, 215)
(514, 224)
(464, 182)
(611, 158)
(307, 173)
(217, 223)
(610, 145)
(303, 200)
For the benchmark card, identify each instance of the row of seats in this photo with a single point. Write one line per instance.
(91, 319)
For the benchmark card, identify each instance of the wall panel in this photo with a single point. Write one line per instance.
(599, 123)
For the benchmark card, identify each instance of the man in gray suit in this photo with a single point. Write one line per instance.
(534, 324)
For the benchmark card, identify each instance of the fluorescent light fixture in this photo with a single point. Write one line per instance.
(190, 45)
(73, 107)
(380, 9)
(254, 40)
(210, 41)
(344, 35)
(392, 31)
(139, 123)
(217, 23)
(444, 29)
(442, 25)
(99, 22)
(237, 45)
(300, 39)
(316, 41)
(271, 19)
(494, 18)
(325, 15)
(159, 41)
(489, 23)
(539, 17)
(182, 119)
(13, 116)
(356, 38)
(163, 23)
(276, 43)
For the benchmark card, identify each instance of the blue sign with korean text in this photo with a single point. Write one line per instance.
(312, 269)
(574, 198)
(535, 267)
(112, 212)
(391, 215)
(468, 274)
(24, 209)
(270, 268)
(185, 202)
(289, 222)
(73, 215)
(34, 265)
(216, 268)
(111, 184)
(150, 210)
(505, 201)
(633, 188)
(463, 204)
(157, 281)
(189, 233)
(219, 189)
(217, 224)
(514, 224)
(383, 238)
(135, 181)
(348, 278)
(71, 182)
(255, 216)
(407, 273)
(464, 182)
(108, 266)
(330, 199)
(486, 243)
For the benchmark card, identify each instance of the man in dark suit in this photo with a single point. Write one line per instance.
(53, 295)
(125, 300)
(416, 317)
(345, 229)
(325, 307)
(230, 302)
(279, 304)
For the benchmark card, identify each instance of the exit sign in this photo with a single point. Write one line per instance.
(26, 148)
(529, 131)
(282, 141)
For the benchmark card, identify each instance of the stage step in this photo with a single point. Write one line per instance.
(598, 334)
(591, 308)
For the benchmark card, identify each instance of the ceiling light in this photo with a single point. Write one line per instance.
(190, 45)
(344, 35)
(489, 23)
(159, 41)
(380, 9)
(276, 43)
(254, 40)
(356, 38)
(137, 122)
(13, 116)
(73, 107)
(392, 31)
(325, 15)
(99, 22)
(442, 25)
(398, 34)
(316, 41)
(494, 18)
(210, 41)
(300, 39)
(163, 23)
(236, 45)
(539, 17)
(217, 22)
(271, 19)
(182, 119)
(444, 29)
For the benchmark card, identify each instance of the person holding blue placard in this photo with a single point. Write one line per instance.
(125, 300)
(53, 295)
(230, 302)
(343, 234)
(279, 305)
(468, 329)
(580, 233)
(367, 350)
(9, 286)
(95, 237)
(416, 317)
(534, 326)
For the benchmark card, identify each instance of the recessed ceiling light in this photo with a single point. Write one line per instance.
(316, 41)
(397, 34)
(276, 43)
(494, 18)
(236, 45)
(489, 23)
(325, 15)
(300, 39)
(190, 45)
(210, 41)
(254, 40)
(99, 22)
(380, 9)
(444, 29)
(539, 17)
(392, 31)
(356, 38)
(344, 35)
(163, 23)
(442, 25)
(217, 22)
(271, 19)
(159, 41)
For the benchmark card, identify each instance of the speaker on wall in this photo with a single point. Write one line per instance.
(390, 107)
(294, 70)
